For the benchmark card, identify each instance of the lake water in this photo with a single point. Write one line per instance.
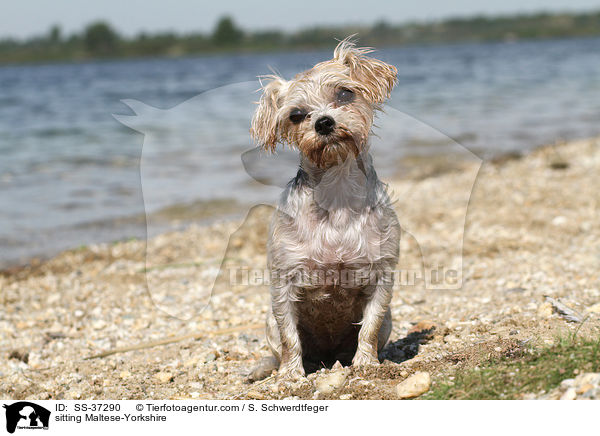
(70, 172)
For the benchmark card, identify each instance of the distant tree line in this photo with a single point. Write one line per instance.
(101, 40)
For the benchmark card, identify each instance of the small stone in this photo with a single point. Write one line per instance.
(210, 357)
(584, 388)
(452, 339)
(125, 375)
(345, 396)
(590, 378)
(98, 325)
(275, 388)
(417, 384)
(545, 310)
(53, 298)
(163, 377)
(567, 383)
(73, 394)
(337, 366)
(559, 221)
(594, 309)
(255, 395)
(195, 395)
(328, 383)
(570, 394)
(191, 362)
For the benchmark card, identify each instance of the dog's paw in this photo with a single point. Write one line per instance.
(362, 360)
(291, 373)
(263, 370)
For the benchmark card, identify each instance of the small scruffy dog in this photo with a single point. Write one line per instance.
(334, 238)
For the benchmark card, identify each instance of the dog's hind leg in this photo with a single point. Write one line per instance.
(263, 370)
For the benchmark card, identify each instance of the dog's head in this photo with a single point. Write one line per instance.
(326, 112)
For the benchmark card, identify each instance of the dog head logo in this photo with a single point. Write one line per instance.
(26, 415)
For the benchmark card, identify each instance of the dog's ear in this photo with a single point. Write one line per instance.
(265, 124)
(377, 77)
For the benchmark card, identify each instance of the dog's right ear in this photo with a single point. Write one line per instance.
(377, 77)
(265, 123)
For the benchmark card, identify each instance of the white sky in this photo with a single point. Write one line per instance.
(24, 18)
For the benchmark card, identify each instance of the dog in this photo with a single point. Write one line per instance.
(334, 237)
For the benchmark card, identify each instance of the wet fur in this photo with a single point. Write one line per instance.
(334, 221)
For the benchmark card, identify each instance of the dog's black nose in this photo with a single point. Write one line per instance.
(324, 125)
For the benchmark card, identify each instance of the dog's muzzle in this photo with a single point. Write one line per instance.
(324, 125)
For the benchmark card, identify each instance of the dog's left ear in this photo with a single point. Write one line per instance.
(265, 124)
(377, 77)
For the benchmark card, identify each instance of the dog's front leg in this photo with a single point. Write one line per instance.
(283, 297)
(373, 317)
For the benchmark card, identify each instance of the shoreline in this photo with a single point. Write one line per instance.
(502, 28)
(171, 218)
(204, 213)
(258, 52)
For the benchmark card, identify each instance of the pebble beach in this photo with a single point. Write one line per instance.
(105, 322)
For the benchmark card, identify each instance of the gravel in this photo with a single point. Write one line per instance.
(532, 231)
(585, 386)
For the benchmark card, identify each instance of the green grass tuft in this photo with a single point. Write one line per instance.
(532, 371)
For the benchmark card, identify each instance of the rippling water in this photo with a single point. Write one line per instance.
(70, 172)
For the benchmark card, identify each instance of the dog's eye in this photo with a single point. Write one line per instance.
(344, 96)
(297, 116)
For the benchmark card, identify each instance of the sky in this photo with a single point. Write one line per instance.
(26, 18)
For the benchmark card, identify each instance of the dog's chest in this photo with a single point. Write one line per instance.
(330, 251)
